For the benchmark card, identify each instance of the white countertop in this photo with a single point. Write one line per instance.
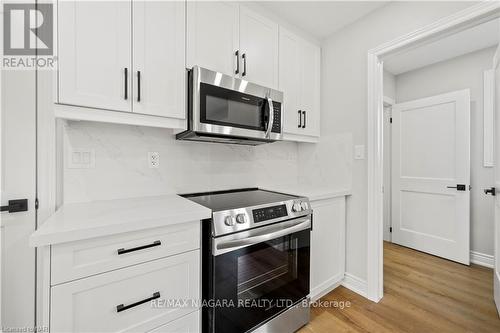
(312, 192)
(79, 221)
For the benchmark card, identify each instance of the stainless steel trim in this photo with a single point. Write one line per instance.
(200, 75)
(270, 123)
(289, 320)
(220, 228)
(254, 236)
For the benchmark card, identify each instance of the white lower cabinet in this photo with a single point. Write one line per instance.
(327, 245)
(187, 324)
(122, 300)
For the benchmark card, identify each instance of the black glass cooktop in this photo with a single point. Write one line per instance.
(240, 198)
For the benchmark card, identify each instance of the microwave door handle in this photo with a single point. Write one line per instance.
(235, 244)
(270, 122)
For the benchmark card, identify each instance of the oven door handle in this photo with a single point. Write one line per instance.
(231, 245)
(270, 122)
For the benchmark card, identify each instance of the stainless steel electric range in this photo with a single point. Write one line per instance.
(255, 261)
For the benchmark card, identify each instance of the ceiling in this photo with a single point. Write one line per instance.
(320, 19)
(474, 39)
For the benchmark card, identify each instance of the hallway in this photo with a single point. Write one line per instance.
(422, 293)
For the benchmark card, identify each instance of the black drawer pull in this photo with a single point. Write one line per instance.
(132, 249)
(121, 307)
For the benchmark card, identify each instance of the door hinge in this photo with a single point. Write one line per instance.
(390, 229)
(36, 203)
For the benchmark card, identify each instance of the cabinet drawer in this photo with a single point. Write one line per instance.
(187, 324)
(119, 301)
(71, 261)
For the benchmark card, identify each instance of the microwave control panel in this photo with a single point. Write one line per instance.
(269, 213)
(277, 118)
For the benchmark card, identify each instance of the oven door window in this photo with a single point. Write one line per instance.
(224, 107)
(260, 281)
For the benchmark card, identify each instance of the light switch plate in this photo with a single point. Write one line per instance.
(359, 152)
(81, 159)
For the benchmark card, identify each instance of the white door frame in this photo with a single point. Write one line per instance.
(464, 19)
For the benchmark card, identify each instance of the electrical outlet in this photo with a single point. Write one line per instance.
(81, 159)
(154, 159)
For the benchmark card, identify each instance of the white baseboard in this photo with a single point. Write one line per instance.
(327, 286)
(482, 259)
(359, 286)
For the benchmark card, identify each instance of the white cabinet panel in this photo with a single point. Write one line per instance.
(310, 88)
(92, 304)
(327, 245)
(74, 260)
(159, 58)
(259, 45)
(187, 324)
(212, 35)
(289, 79)
(94, 51)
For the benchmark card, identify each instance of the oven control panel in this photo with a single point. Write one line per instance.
(269, 213)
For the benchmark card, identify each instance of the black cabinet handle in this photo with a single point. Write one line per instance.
(122, 307)
(492, 191)
(126, 84)
(300, 118)
(138, 86)
(244, 57)
(305, 117)
(237, 54)
(123, 251)
(14, 206)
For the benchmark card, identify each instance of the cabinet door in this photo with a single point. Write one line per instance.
(212, 35)
(259, 46)
(159, 57)
(94, 50)
(310, 89)
(327, 245)
(187, 324)
(289, 79)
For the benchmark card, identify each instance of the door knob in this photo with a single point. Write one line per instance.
(15, 206)
(491, 191)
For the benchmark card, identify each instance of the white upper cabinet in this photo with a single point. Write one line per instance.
(299, 78)
(122, 56)
(233, 40)
(259, 48)
(213, 35)
(159, 76)
(310, 88)
(289, 80)
(94, 52)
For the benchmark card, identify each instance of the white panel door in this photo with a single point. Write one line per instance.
(17, 181)
(289, 79)
(496, 277)
(310, 88)
(213, 35)
(159, 57)
(431, 154)
(94, 50)
(259, 48)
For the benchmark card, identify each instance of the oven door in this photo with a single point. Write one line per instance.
(224, 105)
(259, 274)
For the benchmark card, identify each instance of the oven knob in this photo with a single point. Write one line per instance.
(229, 221)
(241, 218)
(304, 205)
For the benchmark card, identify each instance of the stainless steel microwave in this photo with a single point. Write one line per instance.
(225, 109)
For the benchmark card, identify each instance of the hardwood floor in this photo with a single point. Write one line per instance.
(422, 293)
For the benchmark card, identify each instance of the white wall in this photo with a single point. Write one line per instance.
(344, 102)
(456, 74)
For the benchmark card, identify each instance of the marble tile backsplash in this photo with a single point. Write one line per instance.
(121, 163)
